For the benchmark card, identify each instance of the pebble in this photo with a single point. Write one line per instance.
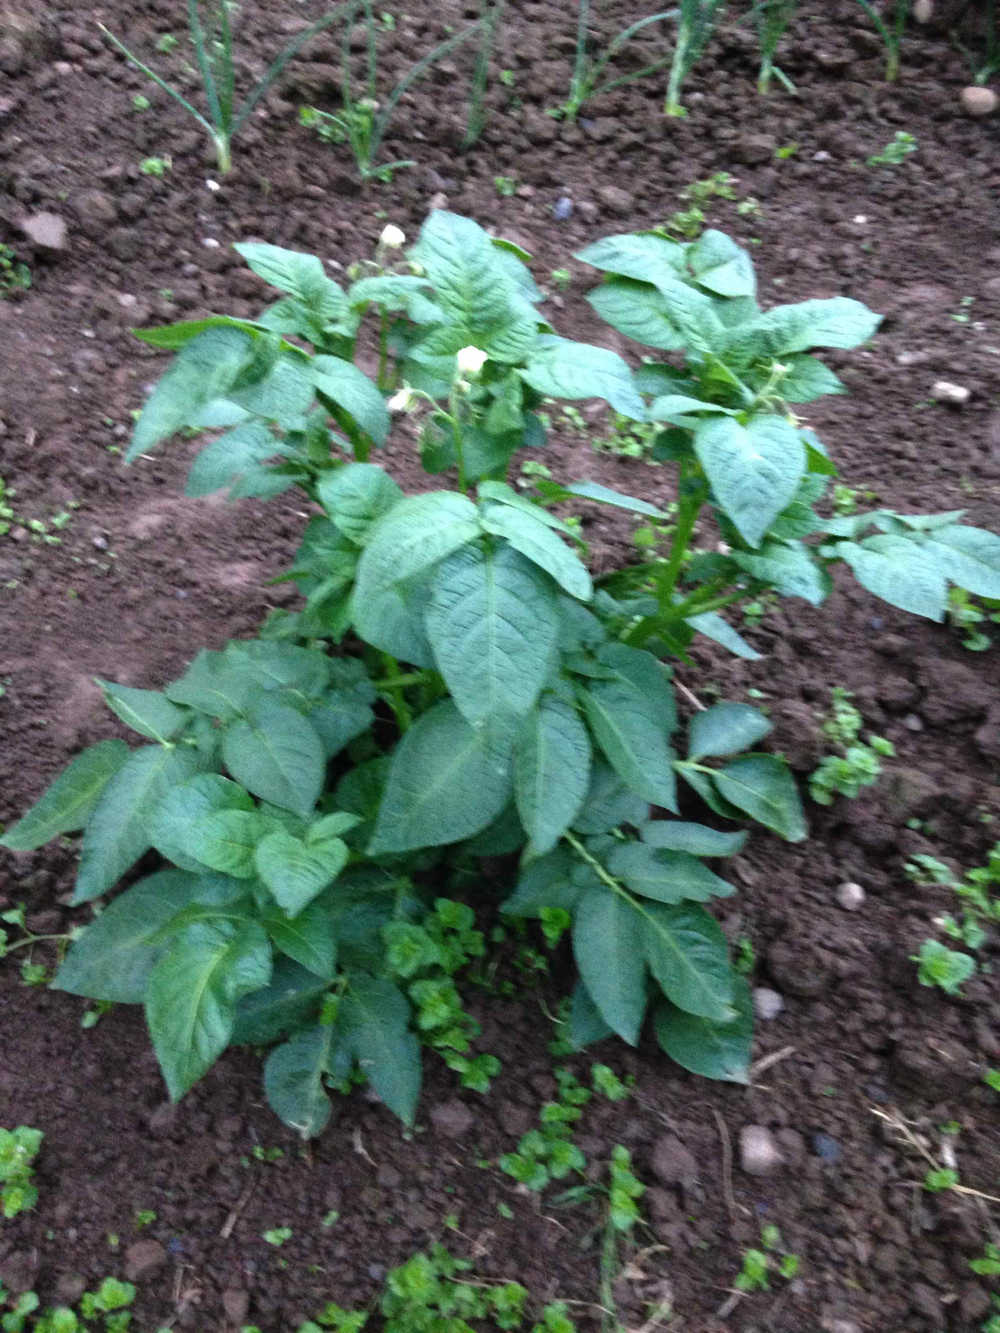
(46, 230)
(767, 1003)
(977, 101)
(673, 1163)
(236, 1304)
(850, 896)
(562, 208)
(759, 1153)
(923, 11)
(826, 1148)
(143, 1259)
(947, 392)
(452, 1118)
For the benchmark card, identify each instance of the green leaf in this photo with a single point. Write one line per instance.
(666, 876)
(67, 804)
(900, 570)
(677, 835)
(808, 379)
(639, 311)
(762, 785)
(216, 684)
(204, 369)
(339, 720)
(447, 781)
(593, 490)
(679, 407)
(969, 557)
(284, 666)
(296, 872)
(726, 728)
(790, 570)
(281, 392)
(608, 948)
(545, 882)
(172, 819)
(349, 388)
(300, 275)
(355, 496)
(227, 460)
(293, 1080)
(309, 938)
(493, 625)
(687, 954)
(289, 1001)
(117, 832)
(632, 716)
(148, 712)
(713, 1050)
(719, 264)
(114, 956)
(276, 753)
(609, 803)
(720, 631)
(192, 994)
(170, 337)
(501, 493)
(644, 256)
(226, 840)
(551, 771)
(561, 368)
(585, 1022)
(754, 470)
(375, 1016)
(539, 544)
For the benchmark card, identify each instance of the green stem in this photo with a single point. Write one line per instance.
(687, 517)
(595, 865)
(28, 941)
(383, 349)
(393, 694)
(454, 410)
(401, 682)
(691, 606)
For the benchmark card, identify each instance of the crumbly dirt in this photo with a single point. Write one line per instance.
(140, 578)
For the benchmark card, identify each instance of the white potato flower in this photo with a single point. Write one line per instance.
(392, 237)
(471, 360)
(402, 400)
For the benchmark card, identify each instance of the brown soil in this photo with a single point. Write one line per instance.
(141, 578)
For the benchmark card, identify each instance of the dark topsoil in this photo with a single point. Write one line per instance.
(142, 578)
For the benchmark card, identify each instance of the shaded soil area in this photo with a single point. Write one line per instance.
(136, 579)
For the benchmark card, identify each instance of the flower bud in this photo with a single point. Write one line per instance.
(470, 360)
(392, 237)
(402, 400)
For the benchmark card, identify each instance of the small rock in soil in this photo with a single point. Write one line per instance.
(978, 101)
(767, 1003)
(46, 230)
(70, 1287)
(944, 391)
(673, 1163)
(826, 1148)
(143, 1259)
(924, 1300)
(850, 896)
(759, 1153)
(236, 1304)
(452, 1118)
(797, 969)
(615, 199)
(18, 1270)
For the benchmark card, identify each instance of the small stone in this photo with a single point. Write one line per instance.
(96, 211)
(759, 1153)
(452, 1118)
(913, 722)
(925, 1301)
(562, 208)
(70, 1287)
(850, 896)
(978, 101)
(944, 391)
(46, 230)
(767, 1003)
(826, 1148)
(841, 1326)
(143, 1259)
(673, 1163)
(923, 11)
(615, 199)
(236, 1304)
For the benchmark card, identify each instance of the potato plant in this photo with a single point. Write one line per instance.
(457, 684)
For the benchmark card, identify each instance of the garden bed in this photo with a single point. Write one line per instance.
(131, 579)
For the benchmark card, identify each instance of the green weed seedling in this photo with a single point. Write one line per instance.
(896, 151)
(772, 18)
(15, 276)
(108, 1303)
(213, 51)
(155, 166)
(979, 894)
(943, 967)
(548, 1152)
(760, 1265)
(860, 763)
(587, 79)
(968, 614)
(696, 22)
(505, 186)
(890, 23)
(18, 1150)
(459, 691)
(32, 973)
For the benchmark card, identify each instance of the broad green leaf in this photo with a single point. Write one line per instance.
(68, 803)
(214, 684)
(352, 390)
(900, 570)
(762, 785)
(192, 994)
(289, 1001)
(501, 838)
(585, 1022)
(539, 544)
(293, 1080)
(171, 820)
(545, 882)
(837, 322)
(666, 876)
(117, 832)
(300, 275)
(309, 938)
(675, 406)
(791, 570)
(170, 337)
(720, 631)
(593, 490)
(631, 716)
(969, 557)
(285, 666)
(226, 840)
(277, 754)
(355, 495)
(232, 456)
(501, 493)
(641, 255)
(397, 291)
(704, 785)
(295, 871)
(561, 368)
(640, 311)
(114, 956)
(754, 470)
(609, 803)
(282, 393)
(551, 771)
(687, 954)
(677, 835)
(446, 782)
(608, 948)
(339, 719)
(375, 1016)
(808, 379)
(719, 264)
(726, 728)
(204, 369)
(713, 1050)
(799, 519)
(493, 625)
(148, 712)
